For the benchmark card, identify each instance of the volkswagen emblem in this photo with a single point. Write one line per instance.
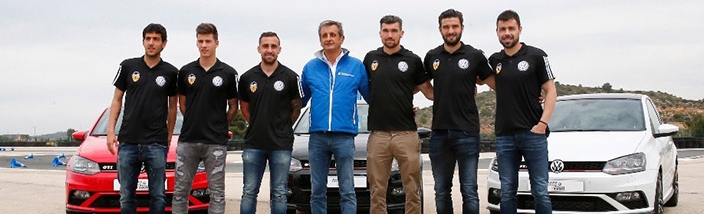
(557, 166)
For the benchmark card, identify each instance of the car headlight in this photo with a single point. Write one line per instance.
(627, 164)
(82, 165)
(295, 165)
(201, 167)
(394, 165)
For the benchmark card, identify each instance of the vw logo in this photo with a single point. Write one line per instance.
(557, 166)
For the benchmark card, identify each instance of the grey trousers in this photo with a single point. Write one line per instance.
(188, 156)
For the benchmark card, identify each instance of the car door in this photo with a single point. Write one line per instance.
(663, 144)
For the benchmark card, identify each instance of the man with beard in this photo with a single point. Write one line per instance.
(521, 72)
(455, 67)
(270, 100)
(150, 115)
(207, 94)
(394, 72)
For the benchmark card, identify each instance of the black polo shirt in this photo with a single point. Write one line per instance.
(269, 97)
(455, 78)
(519, 80)
(205, 120)
(392, 78)
(146, 100)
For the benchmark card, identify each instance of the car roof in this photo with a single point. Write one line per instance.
(603, 96)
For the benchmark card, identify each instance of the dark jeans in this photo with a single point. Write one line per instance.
(130, 157)
(450, 148)
(534, 149)
(254, 164)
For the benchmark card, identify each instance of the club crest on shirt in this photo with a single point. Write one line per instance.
(402, 66)
(160, 81)
(498, 68)
(279, 85)
(375, 64)
(523, 66)
(253, 86)
(191, 78)
(436, 64)
(463, 63)
(135, 76)
(217, 81)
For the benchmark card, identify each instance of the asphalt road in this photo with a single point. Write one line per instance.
(40, 188)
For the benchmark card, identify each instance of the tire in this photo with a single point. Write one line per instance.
(494, 212)
(676, 187)
(658, 202)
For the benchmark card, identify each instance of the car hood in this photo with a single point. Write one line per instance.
(300, 147)
(593, 146)
(95, 149)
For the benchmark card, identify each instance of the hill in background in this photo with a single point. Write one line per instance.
(673, 110)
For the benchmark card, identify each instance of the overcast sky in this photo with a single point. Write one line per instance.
(58, 58)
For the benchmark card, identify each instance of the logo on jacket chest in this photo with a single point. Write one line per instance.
(135, 76)
(253, 86)
(279, 85)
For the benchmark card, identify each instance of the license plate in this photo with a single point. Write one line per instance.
(359, 182)
(565, 186)
(142, 185)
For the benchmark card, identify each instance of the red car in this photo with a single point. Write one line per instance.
(91, 175)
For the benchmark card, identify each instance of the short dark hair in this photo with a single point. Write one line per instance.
(331, 22)
(207, 28)
(450, 13)
(508, 15)
(267, 34)
(390, 19)
(154, 28)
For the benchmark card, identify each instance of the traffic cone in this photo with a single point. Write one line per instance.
(30, 156)
(61, 156)
(12, 149)
(2, 149)
(57, 162)
(14, 163)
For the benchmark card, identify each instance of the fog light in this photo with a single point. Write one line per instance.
(81, 194)
(397, 191)
(628, 196)
(200, 193)
(496, 192)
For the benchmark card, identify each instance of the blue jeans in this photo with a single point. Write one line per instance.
(254, 163)
(130, 158)
(447, 148)
(320, 148)
(534, 149)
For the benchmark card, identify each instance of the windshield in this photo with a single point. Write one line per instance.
(101, 129)
(597, 115)
(304, 120)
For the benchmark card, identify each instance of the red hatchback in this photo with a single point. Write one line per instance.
(91, 175)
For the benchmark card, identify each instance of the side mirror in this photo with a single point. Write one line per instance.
(229, 134)
(666, 130)
(79, 135)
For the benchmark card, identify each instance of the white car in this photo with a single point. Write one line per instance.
(608, 153)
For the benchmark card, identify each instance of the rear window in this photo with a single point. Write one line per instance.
(598, 115)
(304, 121)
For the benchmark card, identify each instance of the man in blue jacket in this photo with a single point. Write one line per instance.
(332, 80)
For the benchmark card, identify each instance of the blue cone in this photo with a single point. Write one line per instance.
(61, 156)
(14, 163)
(2, 149)
(12, 149)
(30, 156)
(57, 162)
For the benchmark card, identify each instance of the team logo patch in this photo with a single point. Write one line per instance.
(498, 68)
(402, 66)
(436, 64)
(279, 85)
(191, 78)
(253, 86)
(217, 81)
(523, 66)
(135, 76)
(375, 64)
(160, 81)
(463, 63)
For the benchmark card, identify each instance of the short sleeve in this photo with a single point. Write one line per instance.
(242, 88)
(419, 74)
(543, 71)
(119, 80)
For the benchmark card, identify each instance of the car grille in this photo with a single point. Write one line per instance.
(580, 166)
(569, 203)
(358, 164)
(113, 201)
(112, 167)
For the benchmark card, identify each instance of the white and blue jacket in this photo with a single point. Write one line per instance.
(333, 91)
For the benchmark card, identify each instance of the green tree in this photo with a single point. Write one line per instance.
(696, 125)
(238, 127)
(69, 133)
(606, 87)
